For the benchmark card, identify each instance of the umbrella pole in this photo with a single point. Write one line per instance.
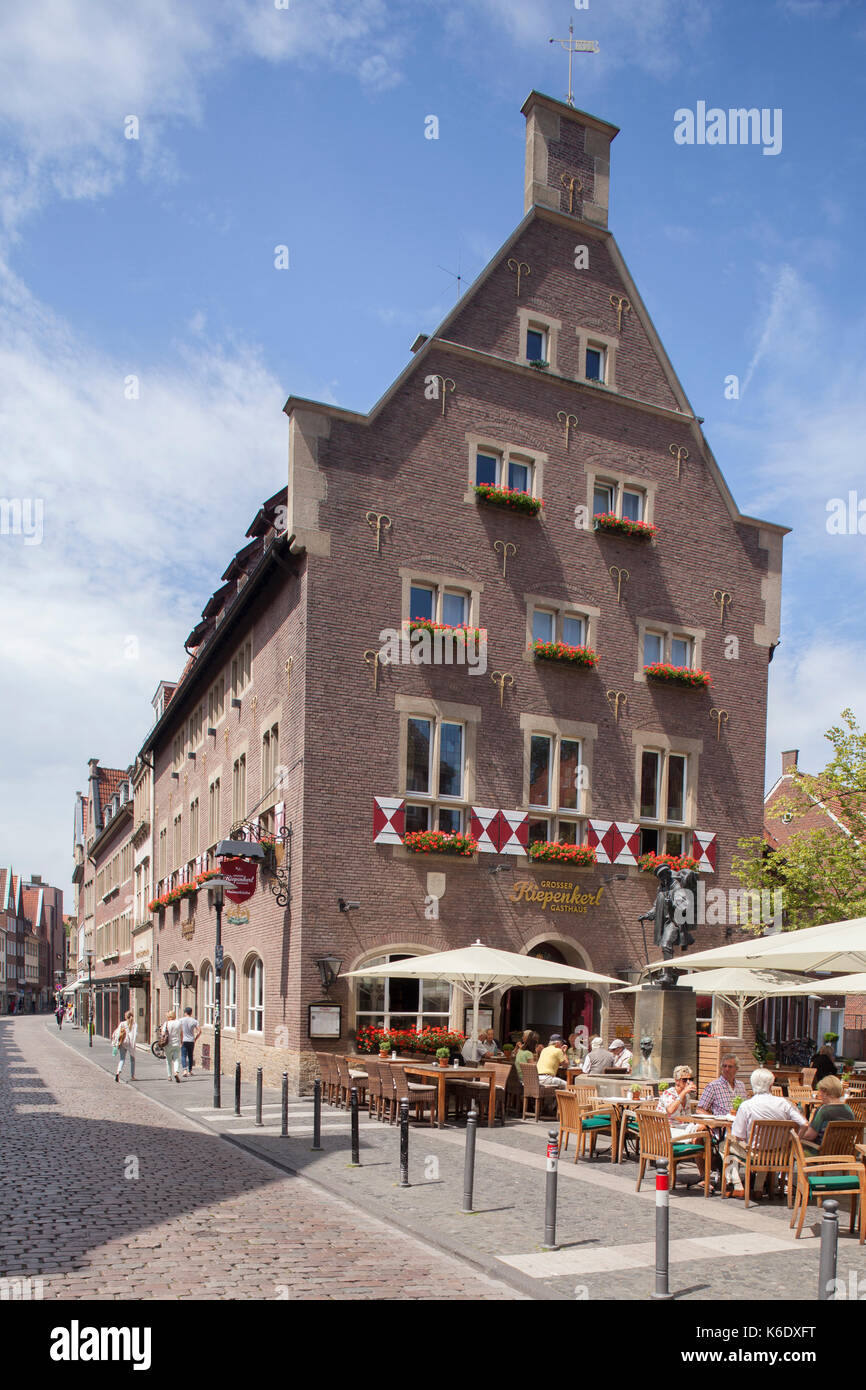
(476, 997)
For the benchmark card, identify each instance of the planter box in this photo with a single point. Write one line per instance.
(564, 654)
(648, 863)
(550, 851)
(435, 842)
(677, 675)
(511, 499)
(621, 526)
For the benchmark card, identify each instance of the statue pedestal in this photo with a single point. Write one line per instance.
(668, 1017)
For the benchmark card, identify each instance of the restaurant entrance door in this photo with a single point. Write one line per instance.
(549, 1008)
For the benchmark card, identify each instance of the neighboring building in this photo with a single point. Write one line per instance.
(109, 860)
(43, 909)
(788, 811)
(548, 378)
(16, 931)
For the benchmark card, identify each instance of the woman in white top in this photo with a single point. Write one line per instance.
(171, 1031)
(125, 1037)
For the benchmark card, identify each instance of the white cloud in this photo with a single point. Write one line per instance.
(809, 688)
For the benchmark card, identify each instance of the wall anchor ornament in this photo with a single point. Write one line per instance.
(379, 520)
(289, 664)
(617, 699)
(619, 575)
(723, 600)
(520, 268)
(680, 454)
(569, 421)
(506, 548)
(502, 678)
(720, 716)
(371, 656)
(446, 384)
(571, 182)
(622, 306)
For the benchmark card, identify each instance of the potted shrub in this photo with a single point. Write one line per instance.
(663, 1086)
(508, 1048)
(831, 1038)
(634, 1090)
(442, 1056)
(689, 676)
(736, 1103)
(511, 498)
(384, 1047)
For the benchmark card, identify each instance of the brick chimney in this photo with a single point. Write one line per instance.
(564, 144)
(789, 760)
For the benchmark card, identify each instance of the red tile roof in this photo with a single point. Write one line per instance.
(110, 781)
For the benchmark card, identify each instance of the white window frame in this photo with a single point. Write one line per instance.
(207, 995)
(662, 822)
(504, 451)
(668, 633)
(432, 1018)
(256, 997)
(229, 1000)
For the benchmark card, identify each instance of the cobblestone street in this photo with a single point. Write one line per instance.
(107, 1195)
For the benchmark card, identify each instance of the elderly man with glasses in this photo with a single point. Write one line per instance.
(718, 1096)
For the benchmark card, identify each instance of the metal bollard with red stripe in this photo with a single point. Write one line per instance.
(662, 1288)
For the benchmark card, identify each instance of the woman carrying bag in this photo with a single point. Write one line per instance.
(124, 1039)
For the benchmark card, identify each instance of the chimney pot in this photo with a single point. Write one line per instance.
(789, 760)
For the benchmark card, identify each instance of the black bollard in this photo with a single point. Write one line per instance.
(469, 1160)
(258, 1095)
(550, 1191)
(356, 1147)
(317, 1114)
(284, 1131)
(404, 1143)
(237, 1088)
(829, 1244)
(662, 1288)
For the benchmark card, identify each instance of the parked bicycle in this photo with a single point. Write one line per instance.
(157, 1049)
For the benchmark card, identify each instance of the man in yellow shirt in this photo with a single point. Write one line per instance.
(550, 1060)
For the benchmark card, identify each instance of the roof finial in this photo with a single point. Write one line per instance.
(573, 45)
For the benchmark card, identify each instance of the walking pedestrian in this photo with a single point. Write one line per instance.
(190, 1033)
(58, 1014)
(125, 1037)
(171, 1039)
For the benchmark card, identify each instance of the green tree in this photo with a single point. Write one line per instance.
(821, 873)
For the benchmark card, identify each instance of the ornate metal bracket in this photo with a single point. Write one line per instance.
(616, 699)
(379, 520)
(720, 716)
(277, 876)
(502, 678)
(619, 575)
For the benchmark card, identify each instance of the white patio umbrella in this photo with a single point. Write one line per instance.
(479, 970)
(836, 984)
(740, 988)
(839, 946)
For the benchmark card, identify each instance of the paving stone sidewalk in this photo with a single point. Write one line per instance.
(719, 1250)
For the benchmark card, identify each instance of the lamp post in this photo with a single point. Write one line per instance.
(217, 886)
(88, 956)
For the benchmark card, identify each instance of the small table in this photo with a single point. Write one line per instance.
(443, 1075)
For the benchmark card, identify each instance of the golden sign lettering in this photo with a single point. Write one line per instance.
(565, 898)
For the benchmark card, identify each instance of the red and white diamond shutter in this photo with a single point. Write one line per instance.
(704, 850)
(630, 837)
(599, 834)
(389, 820)
(514, 832)
(484, 828)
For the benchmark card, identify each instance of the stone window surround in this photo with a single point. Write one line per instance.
(530, 318)
(562, 608)
(565, 728)
(252, 959)
(275, 716)
(591, 337)
(229, 964)
(241, 751)
(411, 706)
(598, 473)
(695, 635)
(442, 579)
(651, 741)
(518, 452)
(230, 692)
(215, 774)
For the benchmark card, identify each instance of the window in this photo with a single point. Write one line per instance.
(270, 758)
(663, 801)
(439, 604)
(256, 997)
(555, 786)
(558, 626)
(239, 789)
(216, 701)
(207, 995)
(536, 344)
(595, 362)
(435, 769)
(401, 1003)
(596, 356)
(162, 861)
(176, 856)
(504, 470)
(242, 670)
(213, 811)
(665, 646)
(195, 727)
(194, 827)
(622, 501)
(230, 996)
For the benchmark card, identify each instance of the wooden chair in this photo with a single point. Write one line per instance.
(374, 1088)
(657, 1141)
(647, 1092)
(799, 1095)
(777, 1091)
(569, 1111)
(388, 1094)
(859, 1108)
(586, 1090)
(855, 1089)
(839, 1137)
(828, 1176)
(349, 1077)
(328, 1076)
(768, 1150)
(534, 1091)
(807, 1076)
(595, 1119)
(417, 1093)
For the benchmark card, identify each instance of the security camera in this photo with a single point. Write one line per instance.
(347, 906)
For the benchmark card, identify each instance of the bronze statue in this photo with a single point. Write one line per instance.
(673, 912)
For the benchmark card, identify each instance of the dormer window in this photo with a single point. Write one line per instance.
(536, 345)
(595, 363)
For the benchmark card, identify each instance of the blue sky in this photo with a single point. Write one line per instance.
(304, 126)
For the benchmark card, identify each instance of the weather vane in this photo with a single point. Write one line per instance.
(573, 45)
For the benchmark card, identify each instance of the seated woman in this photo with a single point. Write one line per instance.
(675, 1103)
(527, 1050)
(830, 1108)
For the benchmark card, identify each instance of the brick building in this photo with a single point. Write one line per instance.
(548, 379)
(31, 942)
(103, 879)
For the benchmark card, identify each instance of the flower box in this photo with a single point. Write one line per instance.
(460, 632)
(677, 675)
(648, 863)
(579, 856)
(202, 878)
(540, 363)
(622, 526)
(561, 651)
(509, 497)
(424, 1043)
(437, 842)
(156, 905)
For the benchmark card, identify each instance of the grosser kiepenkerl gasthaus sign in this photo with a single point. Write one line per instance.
(556, 893)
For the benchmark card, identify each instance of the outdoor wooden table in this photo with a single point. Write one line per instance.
(442, 1075)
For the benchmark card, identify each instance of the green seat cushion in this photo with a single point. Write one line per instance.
(595, 1122)
(830, 1183)
(632, 1124)
(680, 1150)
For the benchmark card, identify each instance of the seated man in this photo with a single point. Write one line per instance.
(550, 1060)
(488, 1044)
(598, 1059)
(717, 1096)
(472, 1050)
(761, 1106)
(621, 1055)
(830, 1108)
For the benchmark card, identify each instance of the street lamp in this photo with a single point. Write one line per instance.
(329, 969)
(217, 886)
(88, 956)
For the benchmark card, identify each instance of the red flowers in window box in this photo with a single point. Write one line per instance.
(561, 651)
(369, 1039)
(648, 863)
(609, 521)
(437, 842)
(579, 856)
(460, 630)
(678, 675)
(510, 497)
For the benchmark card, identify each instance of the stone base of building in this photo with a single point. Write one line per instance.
(301, 1066)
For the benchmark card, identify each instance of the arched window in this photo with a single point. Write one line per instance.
(256, 997)
(230, 996)
(401, 1003)
(207, 984)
